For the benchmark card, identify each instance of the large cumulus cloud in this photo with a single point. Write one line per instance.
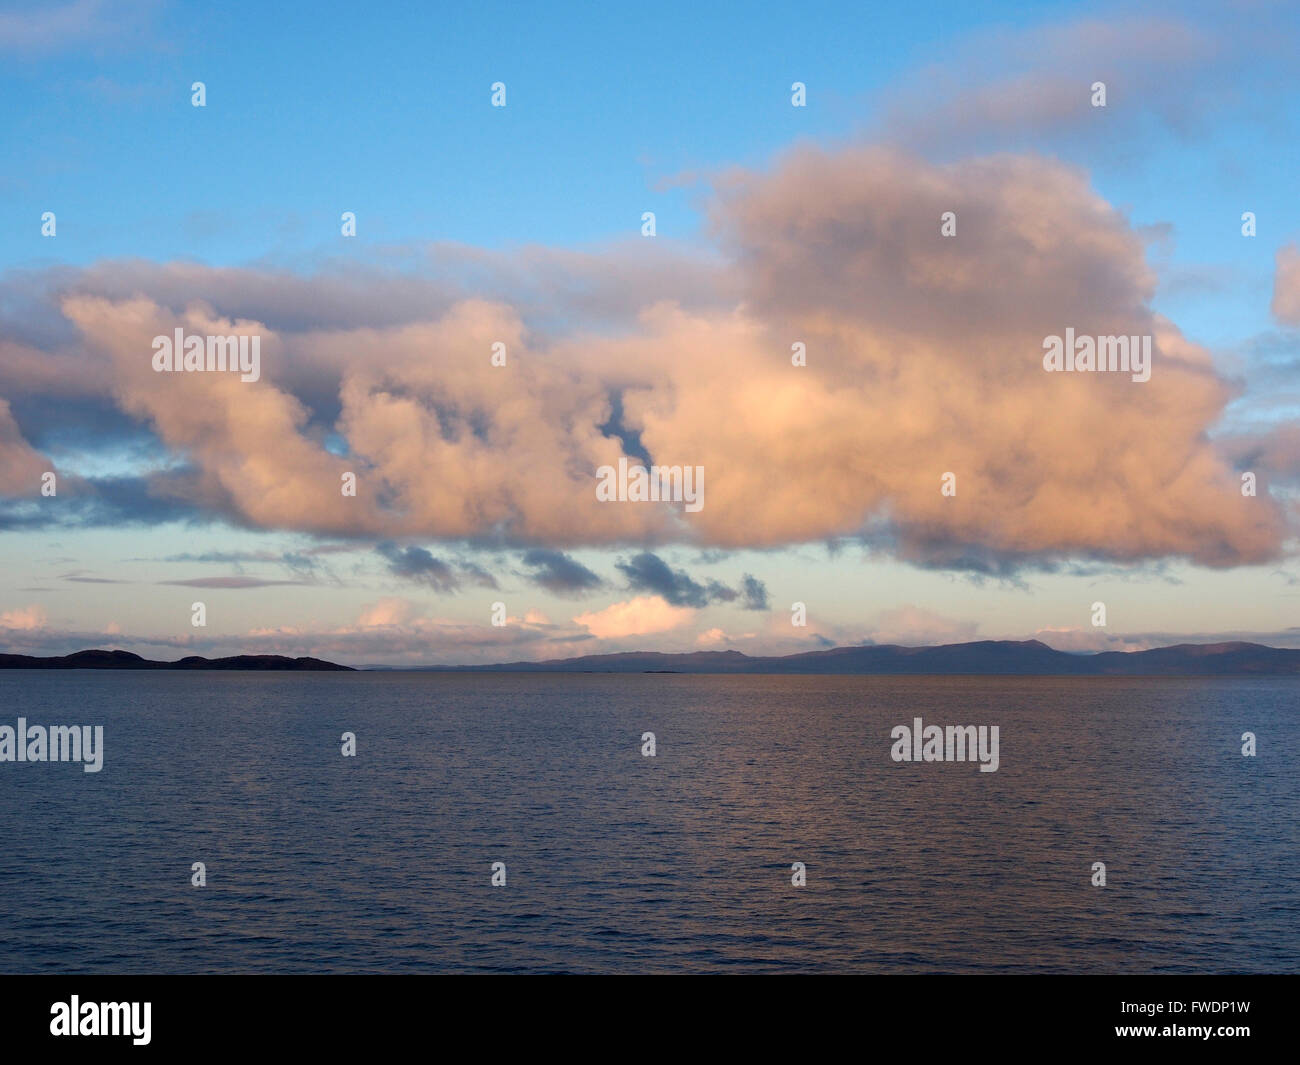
(924, 357)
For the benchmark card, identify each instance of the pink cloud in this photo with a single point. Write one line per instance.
(388, 611)
(1286, 285)
(27, 618)
(20, 466)
(634, 617)
(924, 357)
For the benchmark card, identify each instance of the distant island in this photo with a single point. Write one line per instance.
(126, 660)
(981, 657)
(1023, 657)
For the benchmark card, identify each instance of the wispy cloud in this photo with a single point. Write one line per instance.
(41, 28)
(230, 582)
(419, 565)
(559, 573)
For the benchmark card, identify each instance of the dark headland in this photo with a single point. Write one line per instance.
(126, 660)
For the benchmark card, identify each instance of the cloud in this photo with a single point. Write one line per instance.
(1270, 452)
(753, 592)
(473, 573)
(46, 27)
(229, 582)
(559, 573)
(296, 557)
(418, 564)
(20, 466)
(1286, 285)
(840, 249)
(305, 563)
(845, 250)
(388, 611)
(99, 502)
(634, 617)
(1011, 88)
(913, 626)
(25, 618)
(647, 572)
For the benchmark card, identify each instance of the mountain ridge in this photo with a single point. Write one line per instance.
(976, 658)
(979, 657)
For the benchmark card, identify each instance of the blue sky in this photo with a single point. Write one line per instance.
(316, 109)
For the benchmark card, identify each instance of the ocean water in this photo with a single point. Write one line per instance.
(617, 862)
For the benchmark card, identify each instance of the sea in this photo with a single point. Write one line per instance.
(515, 823)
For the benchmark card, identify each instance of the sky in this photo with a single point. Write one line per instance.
(127, 212)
